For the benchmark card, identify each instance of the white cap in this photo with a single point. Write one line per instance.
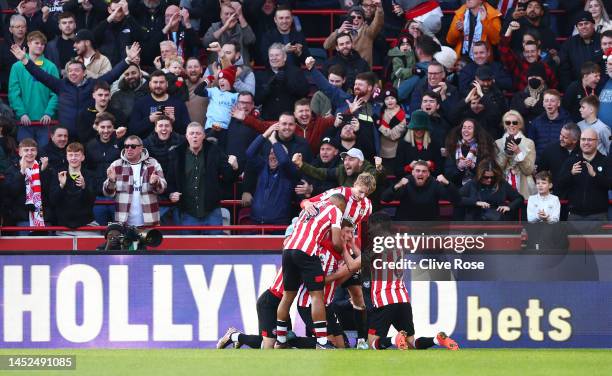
(447, 57)
(354, 152)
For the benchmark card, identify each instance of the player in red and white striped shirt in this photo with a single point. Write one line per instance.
(302, 265)
(336, 268)
(391, 300)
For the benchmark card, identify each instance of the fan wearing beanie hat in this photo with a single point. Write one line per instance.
(221, 102)
(392, 125)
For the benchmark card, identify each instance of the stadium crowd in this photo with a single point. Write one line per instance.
(162, 106)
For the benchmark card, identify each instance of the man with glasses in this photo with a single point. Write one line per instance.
(436, 82)
(586, 177)
(135, 180)
(363, 33)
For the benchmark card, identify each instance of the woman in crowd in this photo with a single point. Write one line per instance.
(417, 145)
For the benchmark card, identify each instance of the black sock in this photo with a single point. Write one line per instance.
(423, 343)
(383, 343)
(361, 321)
(303, 342)
(252, 341)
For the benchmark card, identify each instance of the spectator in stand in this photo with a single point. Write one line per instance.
(345, 174)
(95, 63)
(530, 101)
(380, 46)
(310, 127)
(586, 178)
(135, 180)
(439, 127)
(348, 58)
(348, 135)
(402, 65)
(417, 145)
(177, 29)
(543, 206)
(16, 36)
(26, 190)
(605, 96)
(86, 119)
(55, 151)
(363, 34)
(160, 144)
(328, 157)
(73, 192)
(556, 153)
(419, 194)
(30, 99)
(474, 21)
(579, 49)
(37, 16)
(88, 13)
(589, 107)
(75, 90)
(546, 127)
(118, 31)
(280, 85)
(485, 196)
(600, 16)
(260, 15)
(392, 126)
(516, 154)
(362, 107)
(482, 58)
(589, 83)
(277, 177)
(532, 18)
(425, 47)
(519, 66)
(285, 34)
(245, 78)
(466, 145)
(198, 168)
(148, 108)
(239, 136)
(100, 153)
(233, 27)
(436, 82)
(320, 103)
(61, 48)
(196, 105)
(167, 51)
(130, 87)
(485, 103)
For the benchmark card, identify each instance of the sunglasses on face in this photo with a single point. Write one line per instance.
(511, 122)
(485, 177)
(355, 16)
(132, 146)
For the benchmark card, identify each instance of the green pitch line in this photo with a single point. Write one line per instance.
(312, 363)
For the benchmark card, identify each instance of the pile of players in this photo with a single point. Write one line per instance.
(321, 252)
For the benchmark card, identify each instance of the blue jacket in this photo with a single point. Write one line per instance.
(73, 99)
(544, 131)
(274, 192)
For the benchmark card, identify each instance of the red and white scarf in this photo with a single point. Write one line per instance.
(34, 195)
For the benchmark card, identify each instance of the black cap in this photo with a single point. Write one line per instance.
(484, 73)
(329, 141)
(537, 69)
(584, 16)
(84, 34)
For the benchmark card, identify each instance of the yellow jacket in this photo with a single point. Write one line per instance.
(491, 27)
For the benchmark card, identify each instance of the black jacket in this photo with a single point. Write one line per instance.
(586, 194)
(113, 38)
(277, 92)
(574, 53)
(160, 150)
(74, 205)
(490, 117)
(504, 195)
(124, 99)
(99, 156)
(274, 36)
(552, 159)
(353, 64)
(421, 203)
(216, 170)
(14, 195)
(85, 122)
(57, 157)
(406, 153)
(239, 137)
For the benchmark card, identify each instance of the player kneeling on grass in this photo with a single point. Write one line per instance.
(301, 264)
(391, 301)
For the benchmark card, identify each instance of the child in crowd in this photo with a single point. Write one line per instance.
(543, 206)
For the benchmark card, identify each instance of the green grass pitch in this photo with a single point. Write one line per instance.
(310, 362)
